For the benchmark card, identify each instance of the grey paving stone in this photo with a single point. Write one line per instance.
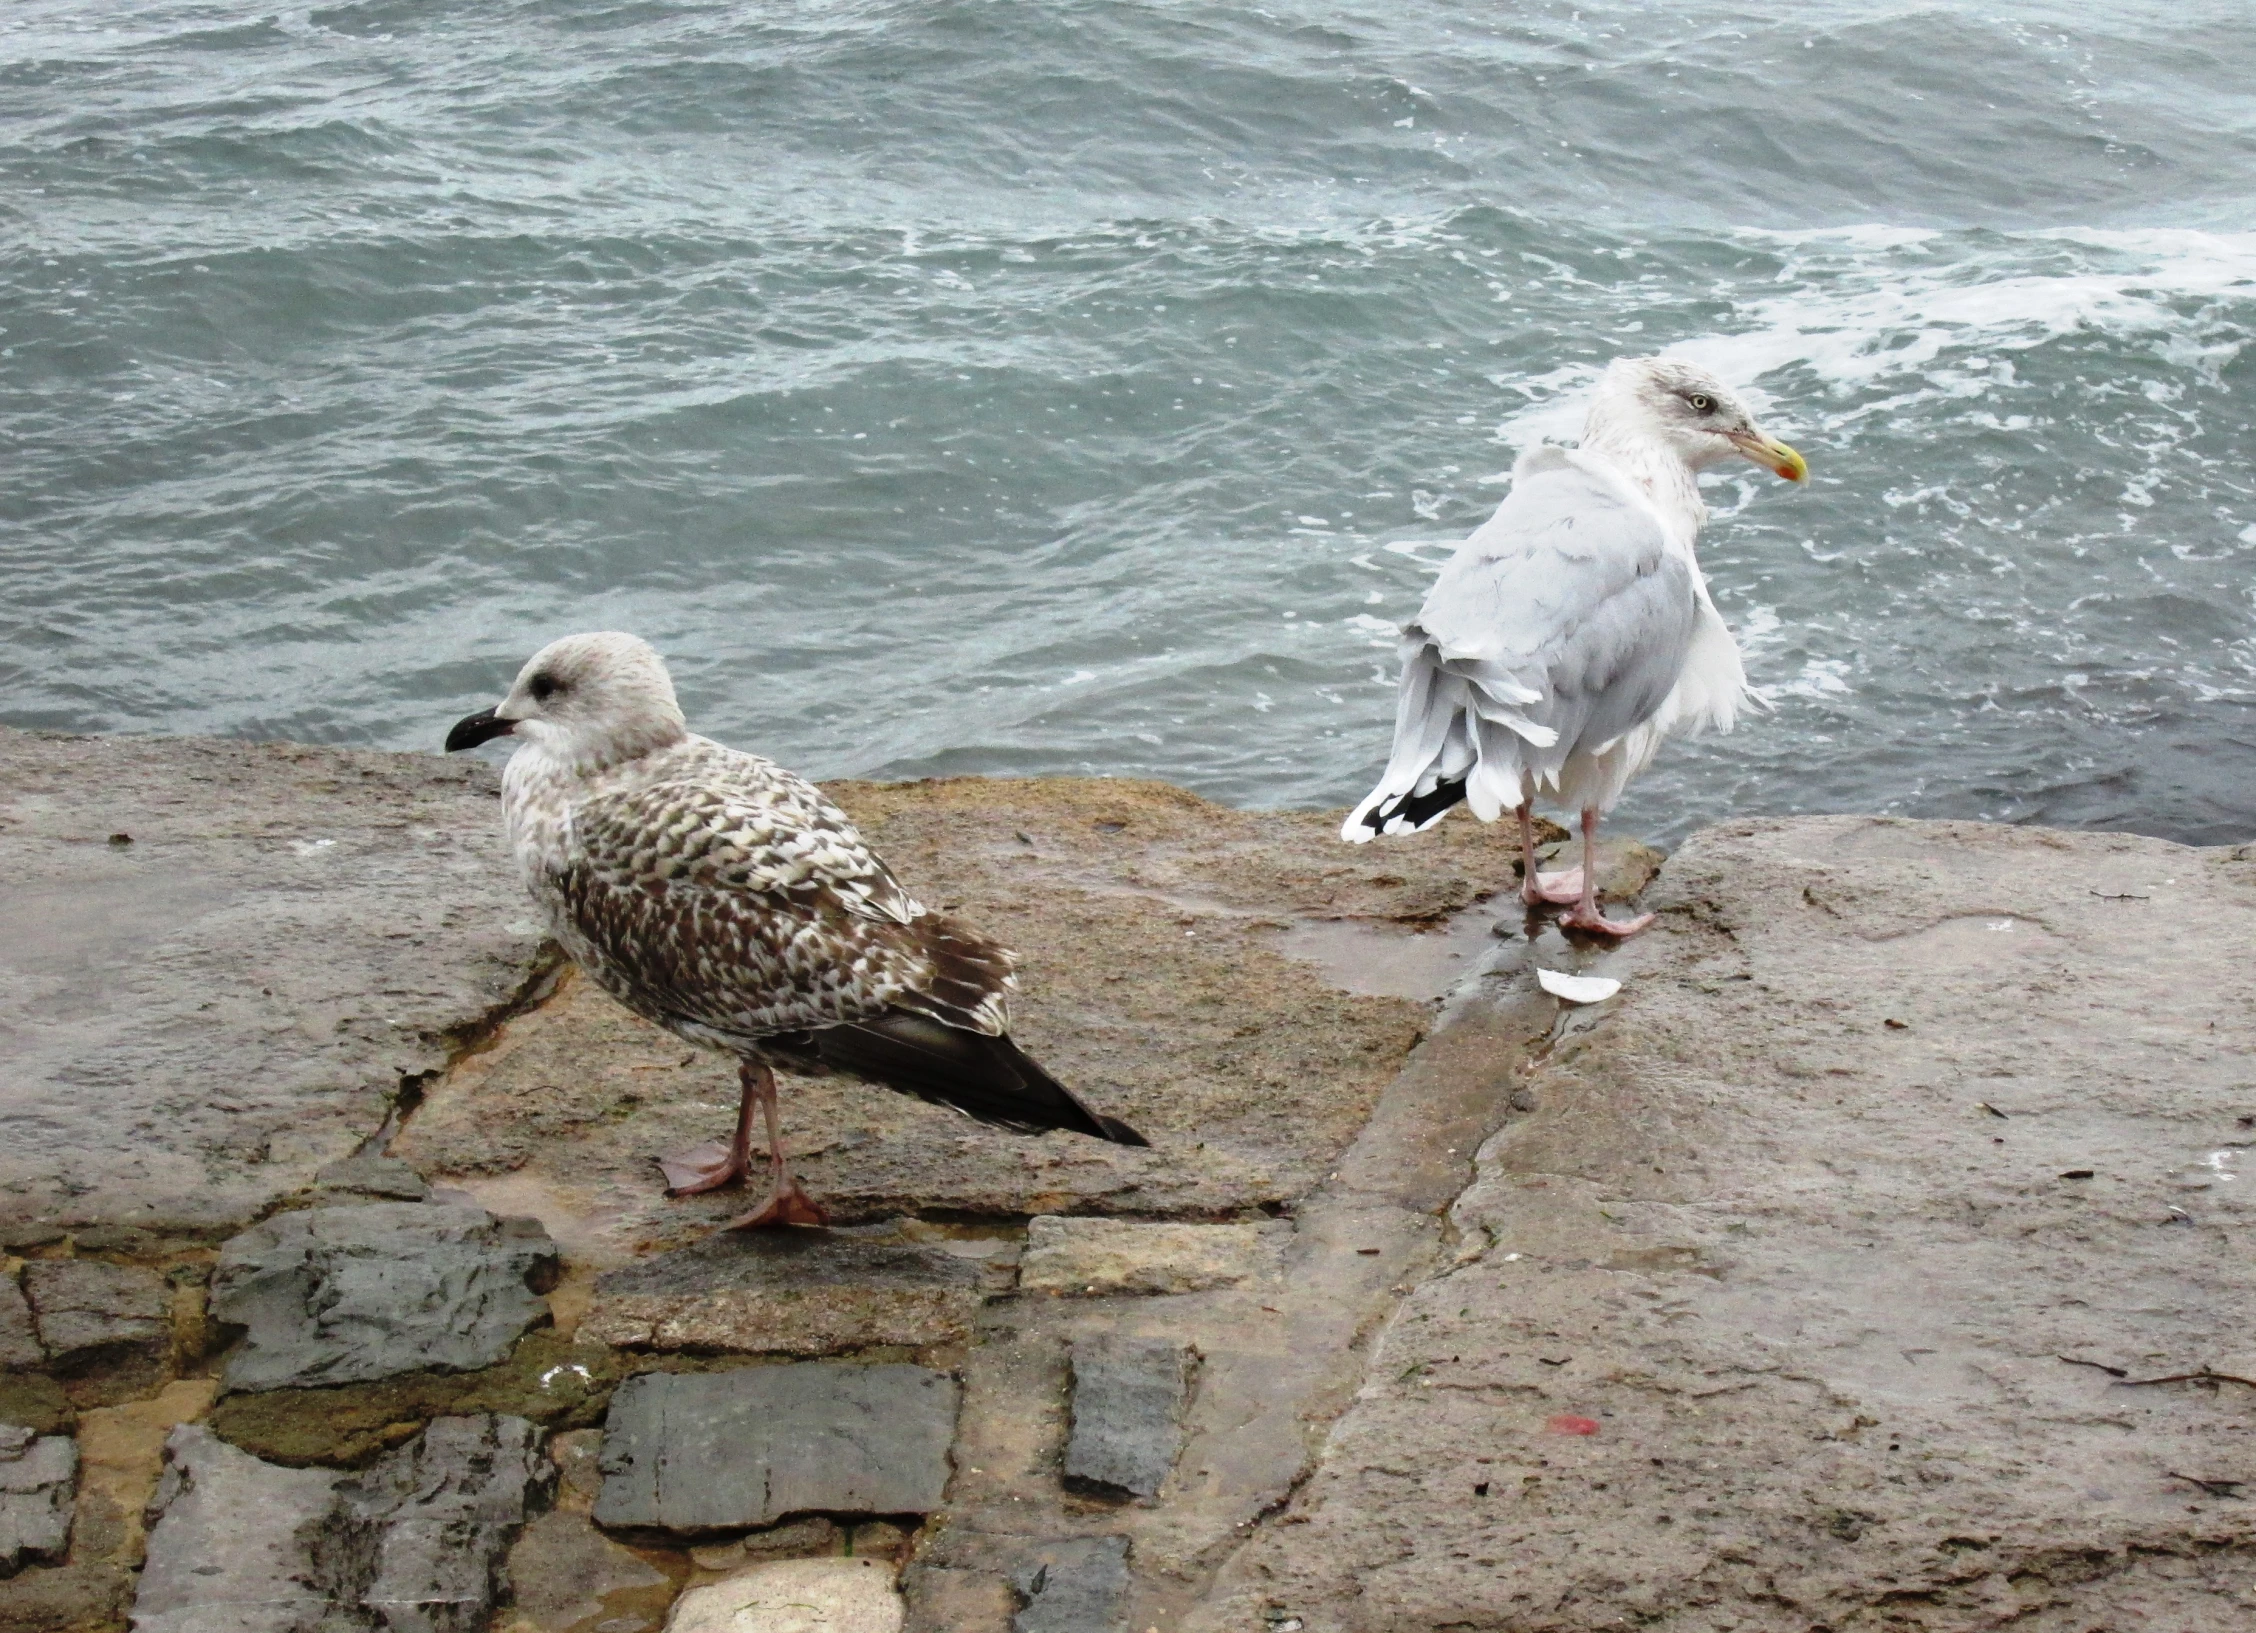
(19, 1340)
(38, 1482)
(1128, 1400)
(351, 1294)
(419, 1540)
(718, 1451)
(231, 1543)
(1077, 1585)
(94, 1317)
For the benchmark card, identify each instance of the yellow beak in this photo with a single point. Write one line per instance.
(1776, 455)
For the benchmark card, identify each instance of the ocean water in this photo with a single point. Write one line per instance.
(1047, 386)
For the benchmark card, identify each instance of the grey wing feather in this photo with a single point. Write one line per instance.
(1561, 624)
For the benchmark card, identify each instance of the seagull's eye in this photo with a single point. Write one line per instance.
(544, 687)
(1701, 402)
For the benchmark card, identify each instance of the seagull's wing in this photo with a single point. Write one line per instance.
(1571, 592)
(743, 903)
(748, 904)
(1561, 624)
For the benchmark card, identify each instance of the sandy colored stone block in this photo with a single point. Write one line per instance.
(795, 1596)
(825, 1322)
(1097, 1257)
(121, 1455)
(787, 1293)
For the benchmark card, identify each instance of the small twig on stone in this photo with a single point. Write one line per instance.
(2215, 1488)
(2105, 897)
(2205, 1375)
(2096, 1366)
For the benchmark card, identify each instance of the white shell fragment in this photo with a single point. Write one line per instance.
(1578, 989)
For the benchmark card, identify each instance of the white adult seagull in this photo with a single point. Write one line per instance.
(1573, 632)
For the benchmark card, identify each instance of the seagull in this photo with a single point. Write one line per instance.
(1574, 631)
(723, 897)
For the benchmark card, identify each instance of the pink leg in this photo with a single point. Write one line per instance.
(1537, 888)
(1584, 915)
(712, 1165)
(787, 1204)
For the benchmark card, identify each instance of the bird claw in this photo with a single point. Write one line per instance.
(701, 1168)
(787, 1207)
(1559, 889)
(1595, 923)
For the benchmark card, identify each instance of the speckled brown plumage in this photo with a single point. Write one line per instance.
(723, 897)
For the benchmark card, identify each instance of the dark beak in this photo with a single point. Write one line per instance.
(482, 727)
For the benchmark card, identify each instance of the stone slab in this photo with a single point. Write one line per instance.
(38, 1484)
(19, 1338)
(1794, 1302)
(795, 1596)
(107, 1320)
(696, 1452)
(787, 1292)
(418, 1540)
(1099, 1257)
(1129, 1395)
(371, 1290)
(564, 1575)
(199, 1014)
(1078, 1585)
(231, 1542)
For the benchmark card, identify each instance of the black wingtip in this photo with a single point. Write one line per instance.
(1417, 809)
(1119, 1133)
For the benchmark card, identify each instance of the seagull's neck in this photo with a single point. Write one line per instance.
(1654, 469)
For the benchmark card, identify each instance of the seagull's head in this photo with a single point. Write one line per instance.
(593, 700)
(1690, 411)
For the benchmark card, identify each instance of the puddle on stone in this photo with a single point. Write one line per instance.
(1377, 960)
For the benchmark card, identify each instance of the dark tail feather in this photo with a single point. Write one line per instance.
(1417, 809)
(990, 1078)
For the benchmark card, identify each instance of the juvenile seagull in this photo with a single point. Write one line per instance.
(723, 897)
(1573, 632)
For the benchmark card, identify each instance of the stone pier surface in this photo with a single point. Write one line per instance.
(1879, 1256)
(223, 961)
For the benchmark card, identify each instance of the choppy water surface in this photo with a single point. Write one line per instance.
(987, 385)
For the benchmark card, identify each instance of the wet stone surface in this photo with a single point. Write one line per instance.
(231, 1543)
(1079, 1585)
(799, 1292)
(1129, 1395)
(201, 1015)
(699, 1452)
(38, 1482)
(356, 1293)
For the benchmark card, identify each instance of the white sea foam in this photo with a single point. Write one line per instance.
(1877, 307)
